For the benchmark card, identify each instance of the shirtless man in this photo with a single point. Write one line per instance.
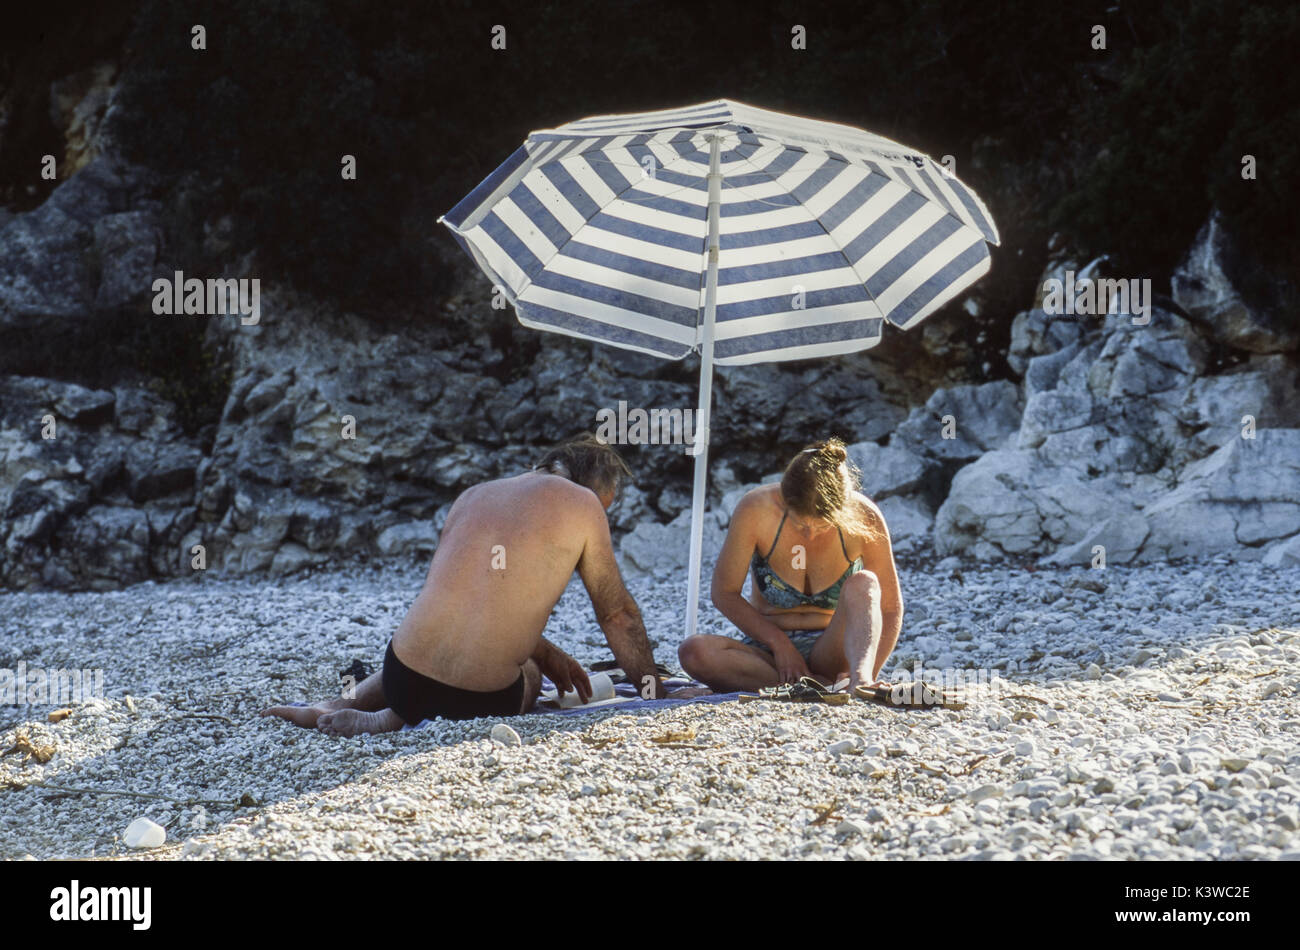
(471, 644)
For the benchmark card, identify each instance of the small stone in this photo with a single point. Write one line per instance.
(1234, 764)
(505, 735)
(143, 833)
(59, 715)
(1102, 786)
(837, 749)
(1287, 820)
(1093, 672)
(587, 791)
(984, 792)
(850, 827)
(1025, 748)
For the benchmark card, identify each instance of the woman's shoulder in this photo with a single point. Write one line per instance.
(756, 508)
(868, 514)
(759, 500)
(865, 505)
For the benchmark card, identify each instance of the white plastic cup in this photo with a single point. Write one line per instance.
(602, 687)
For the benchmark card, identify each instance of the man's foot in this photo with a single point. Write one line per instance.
(305, 716)
(353, 722)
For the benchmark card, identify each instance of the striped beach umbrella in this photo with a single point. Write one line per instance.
(744, 234)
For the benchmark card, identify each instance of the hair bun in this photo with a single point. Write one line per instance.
(832, 451)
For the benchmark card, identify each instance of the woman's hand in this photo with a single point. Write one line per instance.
(790, 664)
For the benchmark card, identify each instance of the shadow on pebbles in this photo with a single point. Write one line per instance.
(1133, 712)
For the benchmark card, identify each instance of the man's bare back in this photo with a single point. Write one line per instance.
(472, 642)
(507, 552)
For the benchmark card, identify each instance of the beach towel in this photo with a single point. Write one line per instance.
(627, 698)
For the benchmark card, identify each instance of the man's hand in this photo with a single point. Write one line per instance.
(790, 664)
(564, 671)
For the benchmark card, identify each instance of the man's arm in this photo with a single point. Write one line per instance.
(616, 611)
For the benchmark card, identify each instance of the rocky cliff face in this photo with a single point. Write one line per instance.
(332, 436)
(1165, 436)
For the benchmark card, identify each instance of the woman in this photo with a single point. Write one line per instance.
(825, 599)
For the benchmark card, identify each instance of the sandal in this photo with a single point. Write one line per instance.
(910, 695)
(806, 690)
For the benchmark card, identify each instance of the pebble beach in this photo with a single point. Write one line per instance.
(1133, 712)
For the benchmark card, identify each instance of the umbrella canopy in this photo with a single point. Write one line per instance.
(748, 235)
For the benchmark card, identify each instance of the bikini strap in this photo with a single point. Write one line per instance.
(778, 536)
(842, 547)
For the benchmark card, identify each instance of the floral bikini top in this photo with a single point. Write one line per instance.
(780, 594)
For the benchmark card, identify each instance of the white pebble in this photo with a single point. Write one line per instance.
(505, 735)
(837, 749)
(143, 833)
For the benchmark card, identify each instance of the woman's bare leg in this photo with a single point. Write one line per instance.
(863, 628)
(727, 665)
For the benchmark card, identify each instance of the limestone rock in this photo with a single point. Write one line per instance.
(886, 469)
(664, 549)
(909, 521)
(1008, 502)
(1246, 494)
(1202, 287)
(1038, 333)
(984, 418)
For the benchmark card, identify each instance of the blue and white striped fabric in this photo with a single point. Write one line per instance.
(597, 229)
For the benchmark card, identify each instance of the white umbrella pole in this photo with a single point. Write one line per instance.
(701, 447)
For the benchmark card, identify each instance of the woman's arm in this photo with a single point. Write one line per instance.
(729, 578)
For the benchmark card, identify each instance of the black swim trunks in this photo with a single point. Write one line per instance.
(415, 697)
